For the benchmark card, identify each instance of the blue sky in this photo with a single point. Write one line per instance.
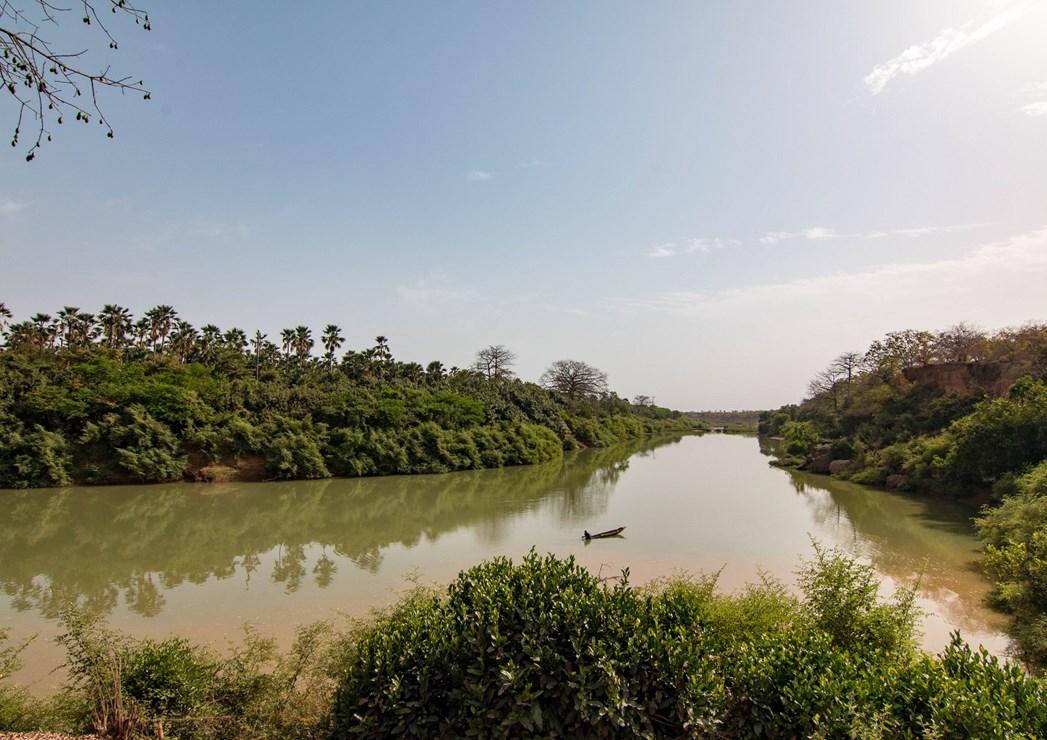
(706, 200)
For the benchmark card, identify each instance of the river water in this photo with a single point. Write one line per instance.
(201, 560)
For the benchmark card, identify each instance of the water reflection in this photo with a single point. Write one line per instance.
(98, 546)
(906, 537)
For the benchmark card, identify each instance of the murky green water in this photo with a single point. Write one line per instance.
(200, 560)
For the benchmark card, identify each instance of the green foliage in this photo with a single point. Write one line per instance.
(917, 436)
(34, 457)
(544, 649)
(132, 443)
(167, 679)
(292, 449)
(1015, 558)
(540, 648)
(800, 437)
(842, 595)
(155, 410)
(1001, 435)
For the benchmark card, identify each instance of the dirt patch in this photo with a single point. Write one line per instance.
(228, 470)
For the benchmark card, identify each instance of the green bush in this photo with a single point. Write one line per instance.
(292, 449)
(1015, 558)
(167, 679)
(545, 649)
(135, 444)
(33, 457)
(800, 437)
(536, 649)
(1000, 436)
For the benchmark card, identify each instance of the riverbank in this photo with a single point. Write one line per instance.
(94, 415)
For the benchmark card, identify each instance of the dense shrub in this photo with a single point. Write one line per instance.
(90, 414)
(32, 457)
(545, 649)
(1000, 436)
(132, 442)
(800, 437)
(1015, 558)
(168, 678)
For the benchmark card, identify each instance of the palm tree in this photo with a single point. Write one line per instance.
(235, 339)
(258, 346)
(67, 325)
(86, 331)
(434, 372)
(161, 321)
(44, 329)
(5, 317)
(116, 323)
(183, 340)
(286, 340)
(23, 335)
(332, 339)
(303, 341)
(210, 338)
(141, 330)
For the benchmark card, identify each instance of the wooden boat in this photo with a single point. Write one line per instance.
(600, 535)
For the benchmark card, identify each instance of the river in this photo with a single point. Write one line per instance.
(201, 560)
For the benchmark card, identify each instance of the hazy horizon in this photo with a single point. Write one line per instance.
(708, 202)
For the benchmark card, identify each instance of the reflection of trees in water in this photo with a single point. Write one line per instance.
(324, 570)
(94, 545)
(906, 538)
(289, 567)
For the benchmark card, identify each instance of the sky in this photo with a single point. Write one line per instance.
(708, 201)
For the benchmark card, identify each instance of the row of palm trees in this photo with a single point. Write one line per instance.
(160, 330)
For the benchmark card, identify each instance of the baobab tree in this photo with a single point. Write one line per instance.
(495, 362)
(574, 379)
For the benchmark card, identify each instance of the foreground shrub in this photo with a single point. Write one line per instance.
(543, 648)
(540, 648)
(1015, 535)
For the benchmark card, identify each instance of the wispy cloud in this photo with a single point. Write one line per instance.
(998, 265)
(814, 233)
(917, 58)
(532, 164)
(821, 233)
(1036, 94)
(668, 249)
(478, 175)
(431, 291)
(10, 207)
(702, 244)
(1037, 109)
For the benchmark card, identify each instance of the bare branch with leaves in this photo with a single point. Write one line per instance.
(48, 84)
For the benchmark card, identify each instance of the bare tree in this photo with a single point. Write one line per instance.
(575, 379)
(47, 84)
(848, 365)
(642, 400)
(826, 384)
(495, 362)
